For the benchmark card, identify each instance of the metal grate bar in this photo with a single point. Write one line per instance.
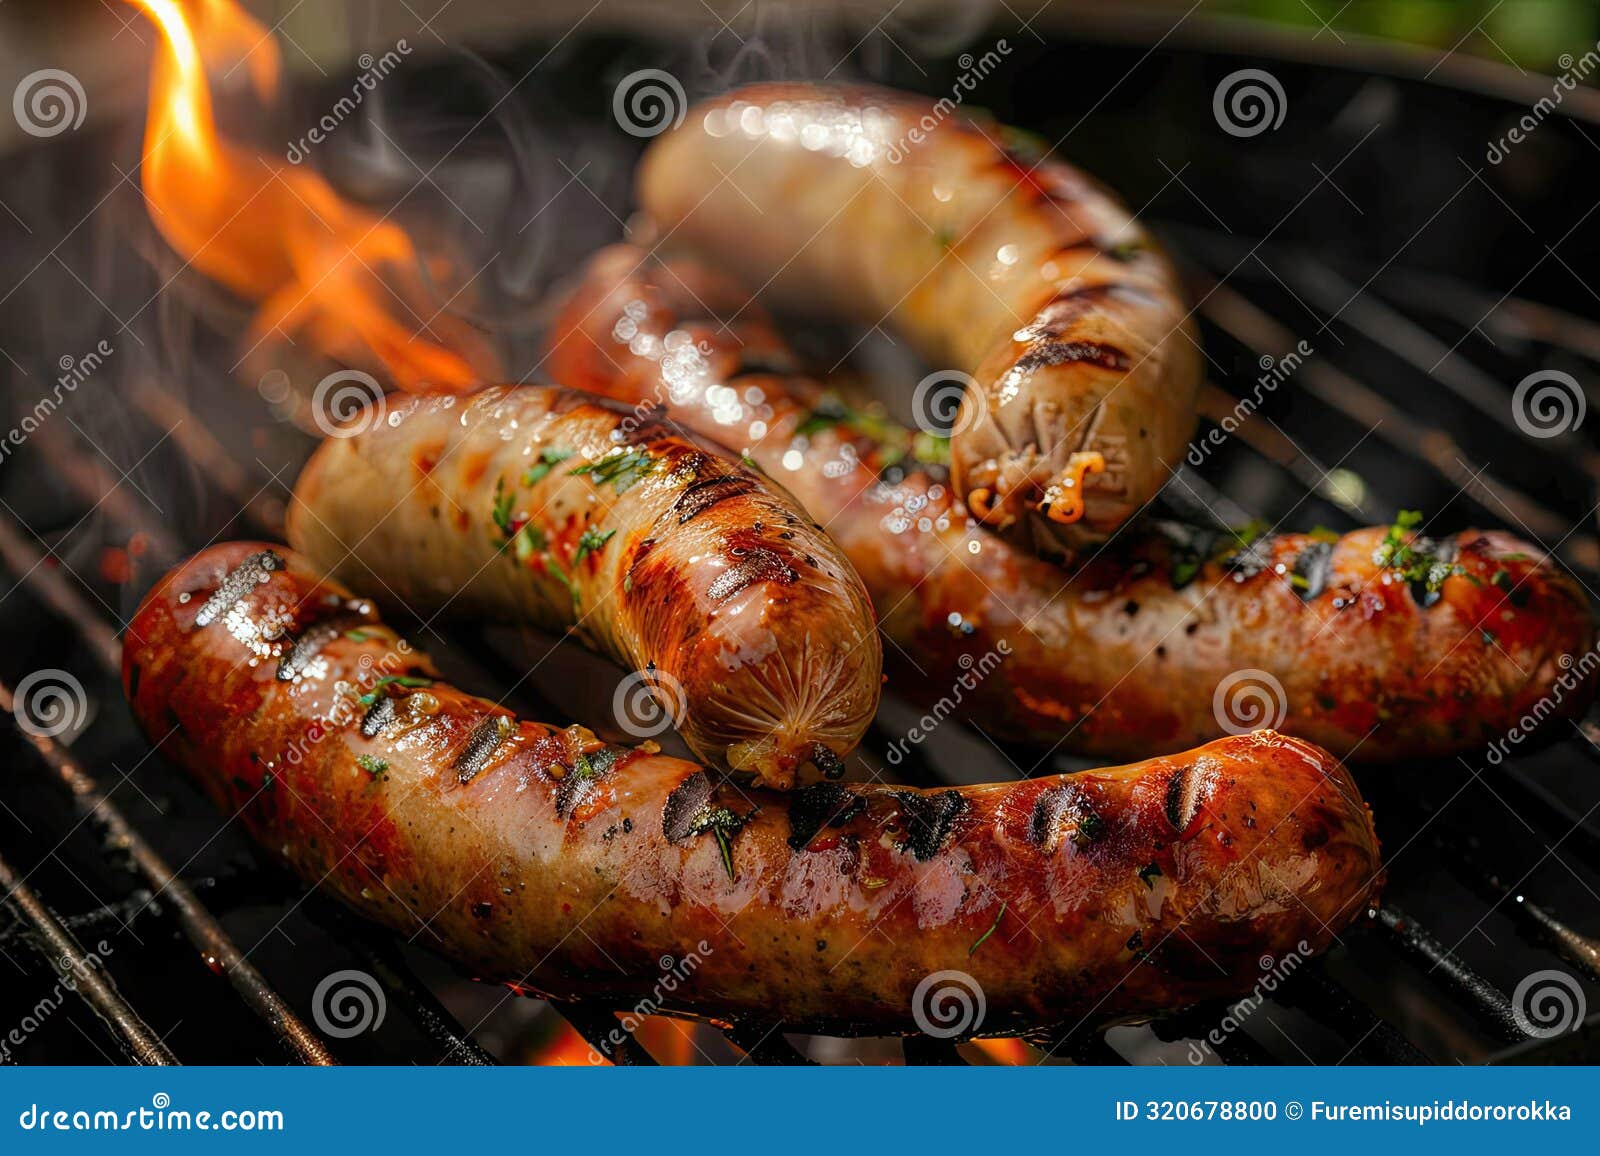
(57, 945)
(595, 1025)
(766, 1044)
(1258, 331)
(199, 926)
(1419, 945)
(1332, 1005)
(925, 1051)
(383, 958)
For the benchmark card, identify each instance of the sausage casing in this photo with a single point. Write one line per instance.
(1379, 644)
(536, 505)
(1019, 272)
(541, 857)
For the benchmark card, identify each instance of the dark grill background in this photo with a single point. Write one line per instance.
(1411, 245)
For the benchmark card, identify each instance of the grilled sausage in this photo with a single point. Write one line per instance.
(1019, 271)
(1380, 645)
(541, 857)
(539, 506)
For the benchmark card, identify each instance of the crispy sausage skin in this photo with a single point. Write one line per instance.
(1019, 271)
(541, 857)
(1154, 644)
(537, 505)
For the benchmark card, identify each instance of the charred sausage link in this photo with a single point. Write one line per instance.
(539, 506)
(542, 857)
(992, 260)
(1379, 645)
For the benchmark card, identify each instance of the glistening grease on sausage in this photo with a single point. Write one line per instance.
(542, 857)
(994, 261)
(539, 506)
(1380, 645)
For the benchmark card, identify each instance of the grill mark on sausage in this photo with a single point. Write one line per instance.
(751, 564)
(1187, 791)
(1049, 353)
(310, 643)
(1313, 565)
(810, 808)
(579, 784)
(701, 495)
(928, 820)
(486, 738)
(379, 717)
(684, 805)
(1058, 806)
(236, 585)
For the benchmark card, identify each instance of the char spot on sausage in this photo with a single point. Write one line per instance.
(578, 785)
(1042, 354)
(310, 643)
(1060, 807)
(701, 495)
(379, 717)
(928, 819)
(1313, 566)
(239, 582)
(818, 804)
(750, 564)
(683, 806)
(1187, 792)
(486, 738)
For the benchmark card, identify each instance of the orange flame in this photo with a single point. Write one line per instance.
(279, 234)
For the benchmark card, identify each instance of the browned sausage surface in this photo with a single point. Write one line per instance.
(1381, 644)
(993, 260)
(539, 506)
(541, 857)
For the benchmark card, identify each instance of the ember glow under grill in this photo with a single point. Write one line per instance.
(1366, 345)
